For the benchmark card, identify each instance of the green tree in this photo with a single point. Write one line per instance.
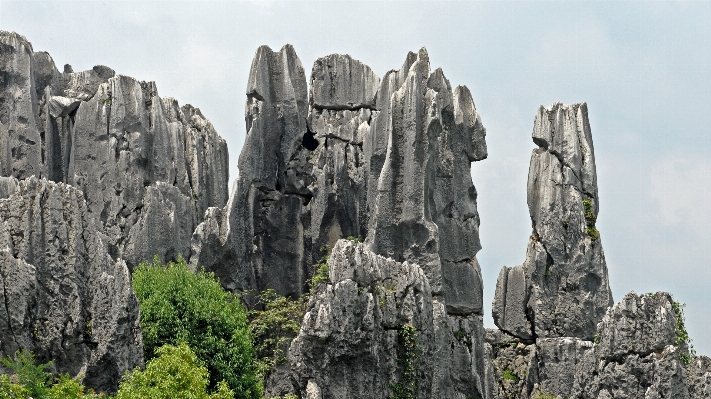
(178, 305)
(27, 374)
(175, 373)
(11, 389)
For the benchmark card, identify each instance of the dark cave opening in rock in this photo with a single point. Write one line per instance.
(309, 142)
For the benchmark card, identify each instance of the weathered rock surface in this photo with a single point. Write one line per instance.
(340, 82)
(145, 165)
(64, 297)
(636, 356)
(565, 291)
(514, 363)
(424, 136)
(698, 378)
(20, 142)
(258, 240)
(348, 343)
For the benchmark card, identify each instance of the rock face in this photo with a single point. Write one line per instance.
(407, 187)
(99, 173)
(148, 169)
(64, 297)
(562, 289)
(636, 356)
(348, 343)
(559, 336)
(699, 378)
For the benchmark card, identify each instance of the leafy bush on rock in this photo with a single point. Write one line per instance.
(181, 306)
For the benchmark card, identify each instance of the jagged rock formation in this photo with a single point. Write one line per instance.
(417, 145)
(348, 343)
(148, 169)
(98, 173)
(636, 356)
(558, 336)
(698, 378)
(63, 296)
(562, 289)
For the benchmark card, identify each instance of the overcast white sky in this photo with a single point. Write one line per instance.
(644, 68)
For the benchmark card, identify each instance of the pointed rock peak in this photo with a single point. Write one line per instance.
(340, 82)
(564, 131)
(15, 39)
(409, 60)
(421, 64)
(277, 76)
(423, 55)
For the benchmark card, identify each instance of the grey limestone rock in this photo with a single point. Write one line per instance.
(514, 364)
(340, 82)
(509, 308)
(20, 141)
(128, 150)
(559, 362)
(698, 378)
(148, 169)
(641, 324)
(417, 146)
(636, 356)
(65, 298)
(566, 290)
(348, 343)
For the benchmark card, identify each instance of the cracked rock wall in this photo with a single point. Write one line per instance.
(397, 173)
(63, 296)
(562, 288)
(148, 169)
(98, 173)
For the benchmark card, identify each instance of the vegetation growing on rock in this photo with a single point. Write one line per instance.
(181, 306)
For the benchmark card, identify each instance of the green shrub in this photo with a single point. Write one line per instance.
(27, 374)
(509, 375)
(178, 305)
(273, 328)
(176, 372)
(10, 388)
(590, 219)
(32, 381)
(408, 354)
(320, 277)
(687, 353)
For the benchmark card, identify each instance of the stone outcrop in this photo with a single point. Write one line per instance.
(63, 296)
(562, 288)
(698, 378)
(258, 240)
(636, 356)
(148, 169)
(559, 335)
(348, 343)
(418, 142)
(99, 173)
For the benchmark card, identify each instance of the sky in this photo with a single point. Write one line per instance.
(644, 69)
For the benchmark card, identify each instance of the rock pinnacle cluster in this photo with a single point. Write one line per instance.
(98, 173)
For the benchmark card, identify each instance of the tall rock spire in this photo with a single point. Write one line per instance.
(418, 145)
(562, 288)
